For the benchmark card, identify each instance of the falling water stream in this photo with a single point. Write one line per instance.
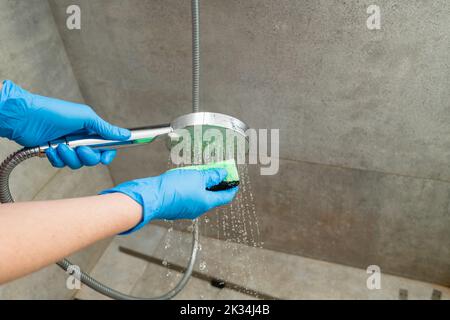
(235, 257)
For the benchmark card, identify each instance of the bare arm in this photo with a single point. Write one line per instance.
(36, 234)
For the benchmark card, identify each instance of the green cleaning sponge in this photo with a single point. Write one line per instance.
(231, 180)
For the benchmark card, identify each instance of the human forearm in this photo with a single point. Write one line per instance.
(36, 234)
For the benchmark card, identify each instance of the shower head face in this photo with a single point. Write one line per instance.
(210, 120)
(218, 133)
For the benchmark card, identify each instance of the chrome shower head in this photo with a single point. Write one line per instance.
(206, 121)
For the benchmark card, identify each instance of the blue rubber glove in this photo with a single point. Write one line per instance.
(32, 120)
(177, 194)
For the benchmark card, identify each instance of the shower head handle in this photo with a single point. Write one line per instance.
(139, 136)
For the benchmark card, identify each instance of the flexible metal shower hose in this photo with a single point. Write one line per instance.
(18, 157)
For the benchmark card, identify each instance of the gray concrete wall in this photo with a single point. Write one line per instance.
(365, 140)
(32, 54)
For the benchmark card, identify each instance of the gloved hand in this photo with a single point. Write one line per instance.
(32, 120)
(176, 194)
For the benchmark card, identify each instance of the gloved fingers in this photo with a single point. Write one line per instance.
(107, 130)
(88, 156)
(54, 158)
(220, 198)
(91, 157)
(108, 156)
(69, 156)
(214, 176)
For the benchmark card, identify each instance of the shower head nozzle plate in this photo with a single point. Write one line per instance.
(225, 124)
(210, 120)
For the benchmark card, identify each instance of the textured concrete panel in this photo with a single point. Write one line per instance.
(116, 270)
(275, 273)
(357, 218)
(343, 95)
